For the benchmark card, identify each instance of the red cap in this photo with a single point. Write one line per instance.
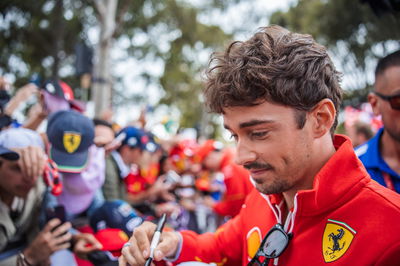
(68, 92)
(205, 149)
(181, 151)
(112, 240)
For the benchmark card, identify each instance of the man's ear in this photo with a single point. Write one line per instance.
(373, 101)
(323, 116)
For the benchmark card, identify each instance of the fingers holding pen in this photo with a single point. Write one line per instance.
(143, 237)
(150, 242)
(168, 245)
(127, 256)
(132, 254)
(137, 250)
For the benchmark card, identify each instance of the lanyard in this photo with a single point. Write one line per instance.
(388, 181)
(51, 177)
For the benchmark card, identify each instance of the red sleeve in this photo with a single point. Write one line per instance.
(224, 247)
(232, 202)
(238, 186)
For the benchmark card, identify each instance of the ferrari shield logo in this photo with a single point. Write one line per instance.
(253, 242)
(336, 240)
(71, 141)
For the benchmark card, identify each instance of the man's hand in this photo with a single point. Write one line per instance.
(3, 83)
(32, 160)
(158, 188)
(26, 91)
(53, 237)
(36, 115)
(139, 249)
(21, 96)
(84, 244)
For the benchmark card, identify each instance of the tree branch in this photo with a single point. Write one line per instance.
(109, 20)
(101, 9)
(120, 18)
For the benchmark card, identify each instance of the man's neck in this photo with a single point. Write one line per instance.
(289, 200)
(390, 151)
(319, 158)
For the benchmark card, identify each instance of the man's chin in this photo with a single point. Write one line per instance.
(269, 189)
(266, 190)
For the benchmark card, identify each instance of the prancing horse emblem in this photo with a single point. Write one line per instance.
(71, 141)
(336, 240)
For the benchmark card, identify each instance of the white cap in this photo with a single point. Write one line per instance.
(20, 138)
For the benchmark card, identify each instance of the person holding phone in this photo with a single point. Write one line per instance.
(22, 241)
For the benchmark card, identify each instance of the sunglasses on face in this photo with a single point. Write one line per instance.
(394, 100)
(272, 246)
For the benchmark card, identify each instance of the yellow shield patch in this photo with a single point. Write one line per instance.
(253, 242)
(71, 141)
(222, 263)
(336, 240)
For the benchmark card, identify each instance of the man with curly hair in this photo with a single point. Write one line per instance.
(315, 203)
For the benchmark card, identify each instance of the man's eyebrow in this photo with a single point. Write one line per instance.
(251, 123)
(254, 122)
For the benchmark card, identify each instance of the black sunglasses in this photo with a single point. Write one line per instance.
(394, 100)
(272, 246)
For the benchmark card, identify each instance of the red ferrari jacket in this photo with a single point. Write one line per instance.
(346, 219)
(237, 184)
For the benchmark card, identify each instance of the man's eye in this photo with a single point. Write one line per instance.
(233, 137)
(260, 134)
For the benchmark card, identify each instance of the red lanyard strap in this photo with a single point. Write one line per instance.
(52, 178)
(388, 181)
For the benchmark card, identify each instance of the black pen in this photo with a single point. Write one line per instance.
(156, 238)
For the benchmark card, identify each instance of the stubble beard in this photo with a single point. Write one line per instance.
(276, 187)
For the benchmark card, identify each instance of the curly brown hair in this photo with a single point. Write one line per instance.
(275, 65)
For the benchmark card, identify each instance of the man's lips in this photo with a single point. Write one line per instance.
(257, 172)
(257, 169)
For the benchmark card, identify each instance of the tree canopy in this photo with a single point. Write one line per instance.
(40, 37)
(350, 29)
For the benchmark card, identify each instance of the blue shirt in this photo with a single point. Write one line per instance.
(369, 154)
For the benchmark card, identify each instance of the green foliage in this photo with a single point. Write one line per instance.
(181, 80)
(348, 28)
(38, 35)
(331, 21)
(355, 97)
(42, 35)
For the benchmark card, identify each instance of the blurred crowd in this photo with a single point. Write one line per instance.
(90, 182)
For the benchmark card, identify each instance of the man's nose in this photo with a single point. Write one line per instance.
(244, 153)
